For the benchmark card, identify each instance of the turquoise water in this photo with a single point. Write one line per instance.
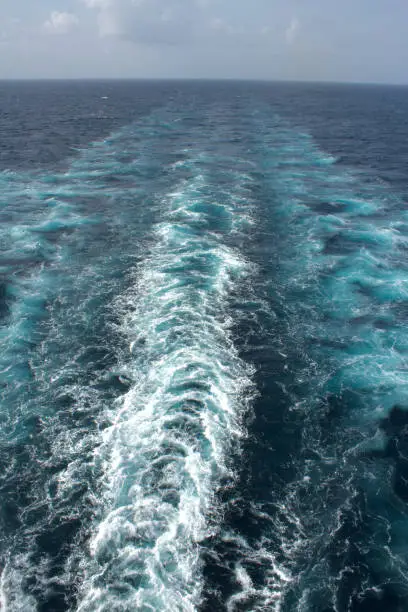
(203, 353)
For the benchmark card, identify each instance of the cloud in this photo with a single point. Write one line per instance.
(148, 21)
(292, 31)
(219, 26)
(60, 23)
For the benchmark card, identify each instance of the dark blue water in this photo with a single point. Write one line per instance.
(203, 330)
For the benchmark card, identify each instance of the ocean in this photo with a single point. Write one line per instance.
(203, 347)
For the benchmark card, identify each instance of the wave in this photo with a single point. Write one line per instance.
(172, 437)
(64, 256)
(321, 535)
(132, 306)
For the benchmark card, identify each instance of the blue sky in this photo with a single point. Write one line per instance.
(352, 40)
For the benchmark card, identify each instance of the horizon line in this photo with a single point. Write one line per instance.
(198, 79)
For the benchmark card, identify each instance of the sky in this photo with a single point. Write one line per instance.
(318, 40)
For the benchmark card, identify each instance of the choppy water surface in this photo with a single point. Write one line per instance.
(203, 375)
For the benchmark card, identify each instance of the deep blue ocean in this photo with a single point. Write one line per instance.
(203, 347)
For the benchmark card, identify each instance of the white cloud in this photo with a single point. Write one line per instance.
(60, 23)
(221, 27)
(292, 31)
(148, 21)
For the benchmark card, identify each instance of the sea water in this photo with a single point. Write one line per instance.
(203, 374)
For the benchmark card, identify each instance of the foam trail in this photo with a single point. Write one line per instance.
(167, 449)
(326, 539)
(61, 263)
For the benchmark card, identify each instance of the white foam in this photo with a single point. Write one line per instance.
(172, 434)
(12, 595)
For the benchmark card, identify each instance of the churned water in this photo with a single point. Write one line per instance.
(203, 331)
